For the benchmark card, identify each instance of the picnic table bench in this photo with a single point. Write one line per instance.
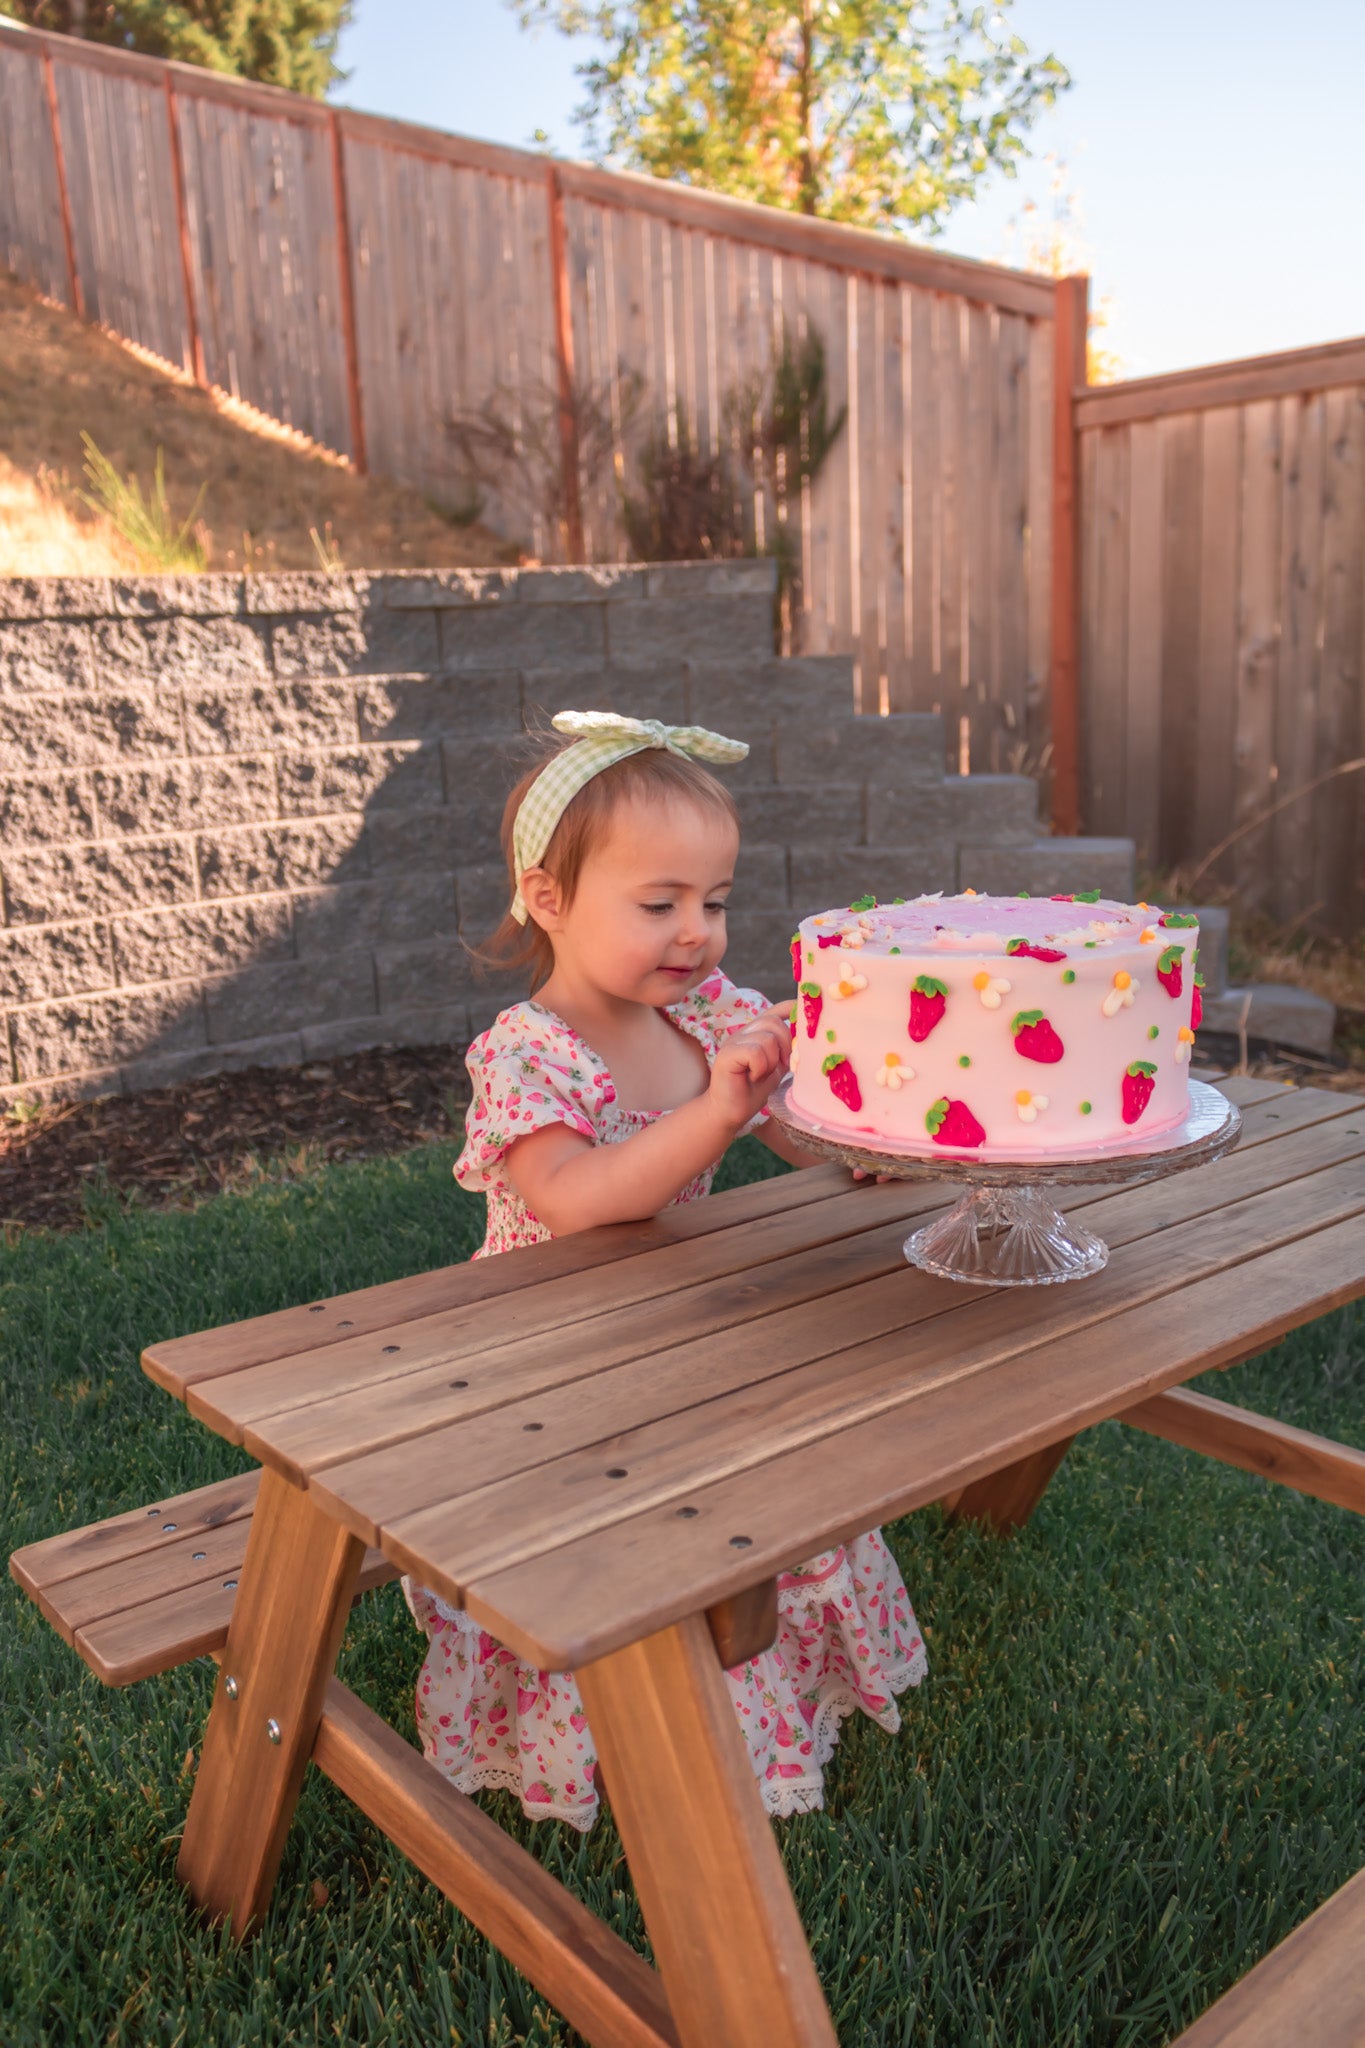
(606, 1447)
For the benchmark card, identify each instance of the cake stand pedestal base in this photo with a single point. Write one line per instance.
(1005, 1231)
(1006, 1237)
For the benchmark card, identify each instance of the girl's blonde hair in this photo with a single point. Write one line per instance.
(654, 774)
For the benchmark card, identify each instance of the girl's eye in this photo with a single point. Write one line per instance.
(719, 908)
(657, 909)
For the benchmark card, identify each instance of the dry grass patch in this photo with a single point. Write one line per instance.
(265, 486)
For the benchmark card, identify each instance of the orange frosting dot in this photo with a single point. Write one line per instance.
(1123, 980)
(1024, 1098)
(981, 980)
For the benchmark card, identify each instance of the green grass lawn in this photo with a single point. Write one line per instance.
(1138, 1762)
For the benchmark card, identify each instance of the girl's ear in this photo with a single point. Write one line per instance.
(540, 894)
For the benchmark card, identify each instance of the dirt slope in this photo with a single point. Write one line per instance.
(265, 486)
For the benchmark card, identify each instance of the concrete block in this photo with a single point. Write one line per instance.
(444, 589)
(482, 895)
(1046, 867)
(46, 807)
(658, 689)
(747, 697)
(40, 733)
(86, 1087)
(255, 860)
(760, 877)
(432, 1024)
(906, 746)
(482, 772)
(698, 582)
(269, 716)
(375, 641)
(281, 592)
(702, 628)
(38, 962)
(433, 971)
(55, 597)
(440, 707)
(142, 597)
(48, 884)
(201, 938)
(1275, 1012)
(178, 650)
(168, 1070)
(402, 907)
(981, 810)
(523, 636)
(495, 993)
(290, 995)
(420, 841)
(354, 778)
(827, 877)
(1213, 947)
(829, 813)
(592, 581)
(45, 654)
(105, 1030)
(184, 794)
(758, 954)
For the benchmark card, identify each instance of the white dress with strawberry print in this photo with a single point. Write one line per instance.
(847, 1634)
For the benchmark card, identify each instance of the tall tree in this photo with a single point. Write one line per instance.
(880, 112)
(281, 42)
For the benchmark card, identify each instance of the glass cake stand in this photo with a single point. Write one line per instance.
(1006, 1231)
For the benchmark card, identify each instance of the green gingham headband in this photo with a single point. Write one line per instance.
(606, 740)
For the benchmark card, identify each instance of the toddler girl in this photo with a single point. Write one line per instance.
(610, 1093)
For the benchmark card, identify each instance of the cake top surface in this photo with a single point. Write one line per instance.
(972, 923)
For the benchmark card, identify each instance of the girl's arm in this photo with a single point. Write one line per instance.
(571, 1184)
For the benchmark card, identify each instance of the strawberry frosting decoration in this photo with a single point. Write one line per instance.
(1014, 1026)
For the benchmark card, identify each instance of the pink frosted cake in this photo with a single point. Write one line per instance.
(995, 1024)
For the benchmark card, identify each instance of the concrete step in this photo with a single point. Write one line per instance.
(1276, 1013)
(1047, 867)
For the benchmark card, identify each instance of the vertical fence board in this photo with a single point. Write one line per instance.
(1142, 739)
(1340, 805)
(1216, 704)
(31, 240)
(1182, 450)
(1289, 843)
(1106, 526)
(1258, 645)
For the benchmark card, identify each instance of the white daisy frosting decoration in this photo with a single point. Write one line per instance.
(1027, 1105)
(1120, 996)
(893, 1072)
(1184, 1043)
(991, 988)
(848, 984)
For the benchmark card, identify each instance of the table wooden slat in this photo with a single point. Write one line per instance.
(395, 1396)
(178, 1363)
(607, 1588)
(228, 1404)
(1273, 1450)
(473, 1475)
(1310, 1990)
(42, 1565)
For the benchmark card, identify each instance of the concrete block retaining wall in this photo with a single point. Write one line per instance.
(251, 820)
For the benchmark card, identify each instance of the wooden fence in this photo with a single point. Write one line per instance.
(1223, 624)
(365, 280)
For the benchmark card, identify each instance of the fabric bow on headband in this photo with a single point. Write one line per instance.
(606, 739)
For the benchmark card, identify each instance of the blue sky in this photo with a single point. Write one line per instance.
(1212, 149)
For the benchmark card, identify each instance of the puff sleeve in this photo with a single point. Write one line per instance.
(527, 1071)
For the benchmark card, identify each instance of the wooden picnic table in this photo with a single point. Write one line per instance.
(607, 1446)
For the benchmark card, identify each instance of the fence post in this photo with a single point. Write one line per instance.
(182, 221)
(568, 419)
(63, 195)
(1069, 322)
(348, 331)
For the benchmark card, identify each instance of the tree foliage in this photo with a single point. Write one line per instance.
(879, 112)
(280, 42)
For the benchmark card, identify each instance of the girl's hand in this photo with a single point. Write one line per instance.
(749, 1066)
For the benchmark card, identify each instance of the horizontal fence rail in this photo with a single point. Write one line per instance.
(368, 281)
(1223, 628)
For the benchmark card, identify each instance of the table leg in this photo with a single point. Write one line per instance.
(287, 1624)
(1005, 1499)
(730, 1946)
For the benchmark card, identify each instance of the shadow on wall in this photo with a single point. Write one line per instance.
(249, 821)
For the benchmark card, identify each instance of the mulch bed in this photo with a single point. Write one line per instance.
(174, 1146)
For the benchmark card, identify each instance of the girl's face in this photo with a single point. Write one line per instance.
(647, 922)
